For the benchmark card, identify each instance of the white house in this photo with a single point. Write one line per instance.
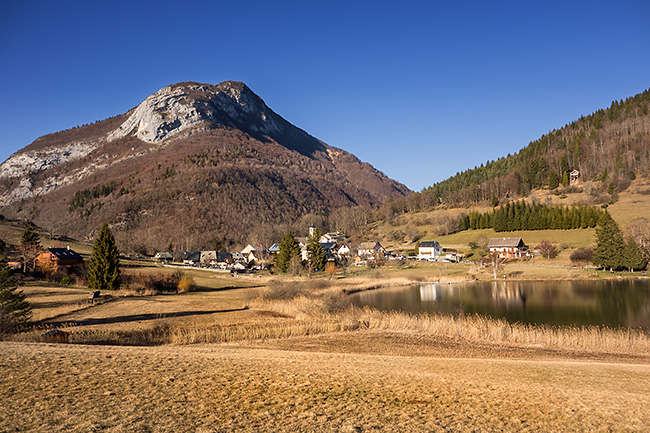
(343, 251)
(370, 250)
(248, 249)
(164, 257)
(335, 237)
(208, 257)
(429, 250)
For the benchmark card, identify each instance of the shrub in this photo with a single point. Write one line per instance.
(547, 249)
(151, 284)
(282, 291)
(336, 302)
(331, 269)
(582, 254)
(186, 284)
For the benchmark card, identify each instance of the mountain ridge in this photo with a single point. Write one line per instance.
(120, 170)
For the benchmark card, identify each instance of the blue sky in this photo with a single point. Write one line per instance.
(420, 89)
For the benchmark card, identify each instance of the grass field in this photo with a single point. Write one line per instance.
(345, 383)
(631, 204)
(270, 353)
(291, 357)
(567, 238)
(10, 232)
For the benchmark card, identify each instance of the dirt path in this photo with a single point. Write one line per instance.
(340, 382)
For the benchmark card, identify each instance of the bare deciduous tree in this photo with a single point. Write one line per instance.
(547, 249)
(639, 230)
(497, 264)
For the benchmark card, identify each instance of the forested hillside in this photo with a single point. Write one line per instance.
(611, 145)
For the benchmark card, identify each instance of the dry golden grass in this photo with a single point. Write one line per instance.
(290, 308)
(298, 359)
(219, 388)
(632, 205)
(10, 232)
(51, 301)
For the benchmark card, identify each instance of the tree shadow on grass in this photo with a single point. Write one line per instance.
(137, 317)
(204, 289)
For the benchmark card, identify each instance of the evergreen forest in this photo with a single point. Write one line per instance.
(524, 216)
(611, 146)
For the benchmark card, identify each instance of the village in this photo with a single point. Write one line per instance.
(338, 250)
(337, 247)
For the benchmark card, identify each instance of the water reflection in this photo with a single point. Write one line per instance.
(611, 303)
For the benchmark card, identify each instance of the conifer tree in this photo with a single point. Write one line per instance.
(30, 244)
(30, 236)
(632, 256)
(317, 258)
(104, 267)
(288, 249)
(565, 178)
(552, 180)
(15, 311)
(564, 167)
(609, 244)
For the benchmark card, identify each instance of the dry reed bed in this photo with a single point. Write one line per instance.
(330, 305)
(467, 328)
(316, 307)
(475, 328)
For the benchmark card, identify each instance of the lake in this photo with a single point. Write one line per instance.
(613, 303)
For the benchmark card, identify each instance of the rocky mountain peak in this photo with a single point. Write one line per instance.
(185, 107)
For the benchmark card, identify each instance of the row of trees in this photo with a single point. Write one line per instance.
(524, 216)
(289, 255)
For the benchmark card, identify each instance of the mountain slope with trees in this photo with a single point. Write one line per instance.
(611, 146)
(193, 166)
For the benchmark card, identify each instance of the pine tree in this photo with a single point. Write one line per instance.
(288, 249)
(609, 244)
(565, 178)
(30, 236)
(104, 267)
(632, 256)
(317, 257)
(15, 311)
(30, 245)
(552, 180)
(564, 165)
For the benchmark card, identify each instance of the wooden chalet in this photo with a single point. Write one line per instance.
(370, 250)
(59, 257)
(508, 248)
